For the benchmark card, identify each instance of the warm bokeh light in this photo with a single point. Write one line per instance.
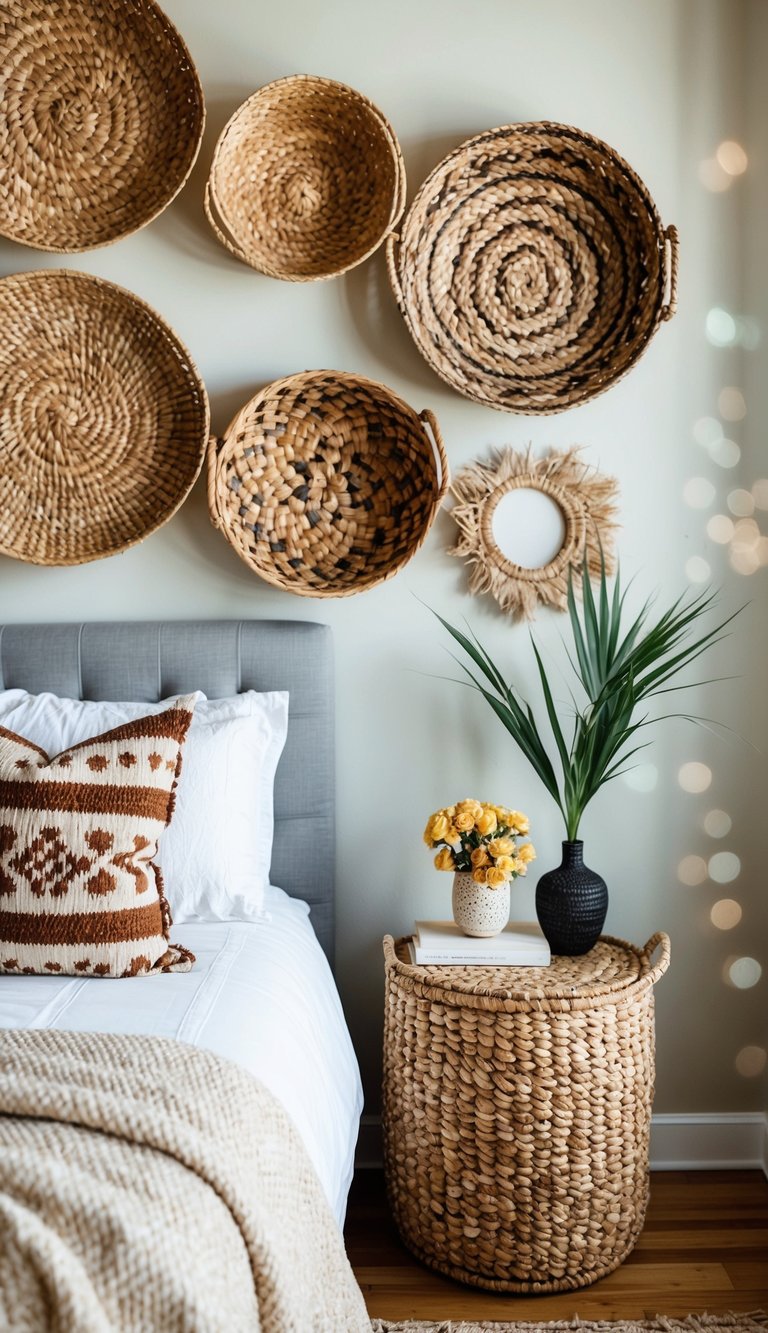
(697, 569)
(725, 914)
(741, 502)
(717, 823)
(744, 560)
(731, 404)
(643, 777)
(751, 1061)
(720, 528)
(761, 551)
(724, 867)
(695, 777)
(726, 453)
(732, 158)
(713, 176)
(746, 533)
(692, 870)
(760, 493)
(744, 973)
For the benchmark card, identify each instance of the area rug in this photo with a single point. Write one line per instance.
(756, 1321)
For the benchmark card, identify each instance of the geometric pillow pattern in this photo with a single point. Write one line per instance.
(80, 894)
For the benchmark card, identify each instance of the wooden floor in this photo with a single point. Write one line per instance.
(704, 1248)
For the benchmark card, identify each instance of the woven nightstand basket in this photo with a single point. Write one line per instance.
(101, 119)
(103, 418)
(326, 484)
(532, 268)
(517, 1106)
(306, 181)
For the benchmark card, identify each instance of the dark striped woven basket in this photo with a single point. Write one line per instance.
(532, 268)
(326, 484)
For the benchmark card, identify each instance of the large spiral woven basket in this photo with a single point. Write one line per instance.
(306, 181)
(101, 119)
(517, 1109)
(103, 418)
(326, 484)
(532, 268)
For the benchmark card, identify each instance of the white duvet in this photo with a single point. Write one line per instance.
(260, 994)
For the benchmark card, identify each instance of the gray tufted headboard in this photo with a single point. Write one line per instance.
(154, 659)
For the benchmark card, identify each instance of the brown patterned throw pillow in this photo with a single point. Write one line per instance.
(79, 893)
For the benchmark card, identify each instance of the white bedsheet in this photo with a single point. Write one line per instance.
(260, 994)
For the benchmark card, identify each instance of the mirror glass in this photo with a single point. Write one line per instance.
(528, 527)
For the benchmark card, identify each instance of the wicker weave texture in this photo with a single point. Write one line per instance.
(516, 1114)
(532, 268)
(326, 484)
(101, 120)
(103, 418)
(306, 181)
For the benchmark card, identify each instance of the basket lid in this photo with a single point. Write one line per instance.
(609, 969)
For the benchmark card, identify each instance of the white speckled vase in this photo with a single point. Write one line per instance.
(478, 910)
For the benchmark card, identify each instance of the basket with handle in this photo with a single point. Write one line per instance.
(326, 483)
(532, 268)
(101, 120)
(306, 180)
(517, 1112)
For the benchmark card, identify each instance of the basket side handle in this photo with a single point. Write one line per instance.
(659, 940)
(214, 448)
(394, 276)
(671, 247)
(429, 419)
(213, 214)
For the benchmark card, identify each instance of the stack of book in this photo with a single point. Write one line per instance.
(520, 944)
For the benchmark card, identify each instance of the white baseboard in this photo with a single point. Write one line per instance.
(713, 1142)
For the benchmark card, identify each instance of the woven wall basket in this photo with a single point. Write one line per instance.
(103, 418)
(306, 181)
(101, 120)
(326, 484)
(532, 268)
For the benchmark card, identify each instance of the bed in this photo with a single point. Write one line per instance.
(262, 993)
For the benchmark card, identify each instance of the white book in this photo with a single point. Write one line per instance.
(520, 944)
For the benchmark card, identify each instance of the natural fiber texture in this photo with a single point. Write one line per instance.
(306, 181)
(516, 1113)
(754, 1322)
(103, 418)
(101, 120)
(326, 484)
(147, 1185)
(532, 269)
(586, 498)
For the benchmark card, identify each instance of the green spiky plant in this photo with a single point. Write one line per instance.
(618, 669)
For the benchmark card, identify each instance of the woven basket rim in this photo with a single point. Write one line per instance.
(130, 298)
(131, 231)
(607, 378)
(220, 447)
(399, 194)
(515, 997)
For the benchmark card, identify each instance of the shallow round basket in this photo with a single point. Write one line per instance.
(103, 418)
(306, 181)
(532, 268)
(326, 484)
(101, 120)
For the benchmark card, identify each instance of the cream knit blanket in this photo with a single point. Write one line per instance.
(150, 1187)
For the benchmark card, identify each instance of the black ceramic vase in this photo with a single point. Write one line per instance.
(571, 903)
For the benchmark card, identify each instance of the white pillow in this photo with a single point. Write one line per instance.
(216, 853)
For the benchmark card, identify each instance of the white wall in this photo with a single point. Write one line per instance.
(663, 82)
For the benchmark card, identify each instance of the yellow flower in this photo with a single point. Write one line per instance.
(495, 877)
(473, 808)
(480, 857)
(519, 821)
(440, 827)
(501, 847)
(444, 859)
(486, 822)
(506, 864)
(526, 853)
(479, 876)
(464, 821)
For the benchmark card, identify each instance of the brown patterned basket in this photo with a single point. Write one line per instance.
(306, 181)
(517, 1106)
(326, 484)
(100, 121)
(103, 418)
(532, 268)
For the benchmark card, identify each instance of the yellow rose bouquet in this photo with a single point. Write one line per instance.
(480, 839)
